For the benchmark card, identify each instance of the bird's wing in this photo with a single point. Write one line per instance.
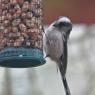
(63, 59)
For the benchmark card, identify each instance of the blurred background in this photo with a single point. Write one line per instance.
(45, 80)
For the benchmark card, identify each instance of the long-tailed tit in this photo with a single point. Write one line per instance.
(55, 45)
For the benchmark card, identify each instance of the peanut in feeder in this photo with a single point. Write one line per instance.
(21, 33)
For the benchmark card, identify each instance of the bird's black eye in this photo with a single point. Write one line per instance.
(64, 24)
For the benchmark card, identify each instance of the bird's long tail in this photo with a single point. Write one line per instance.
(66, 87)
(63, 66)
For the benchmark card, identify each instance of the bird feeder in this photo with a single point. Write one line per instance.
(21, 33)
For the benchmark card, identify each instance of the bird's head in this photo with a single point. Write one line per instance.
(64, 25)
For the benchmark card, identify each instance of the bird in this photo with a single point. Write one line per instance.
(55, 40)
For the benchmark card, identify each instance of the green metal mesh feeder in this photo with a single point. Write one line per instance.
(21, 33)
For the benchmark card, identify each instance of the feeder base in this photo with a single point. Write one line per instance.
(21, 57)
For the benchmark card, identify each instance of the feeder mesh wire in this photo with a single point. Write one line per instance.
(21, 23)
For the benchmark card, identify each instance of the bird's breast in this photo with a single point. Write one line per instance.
(56, 45)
